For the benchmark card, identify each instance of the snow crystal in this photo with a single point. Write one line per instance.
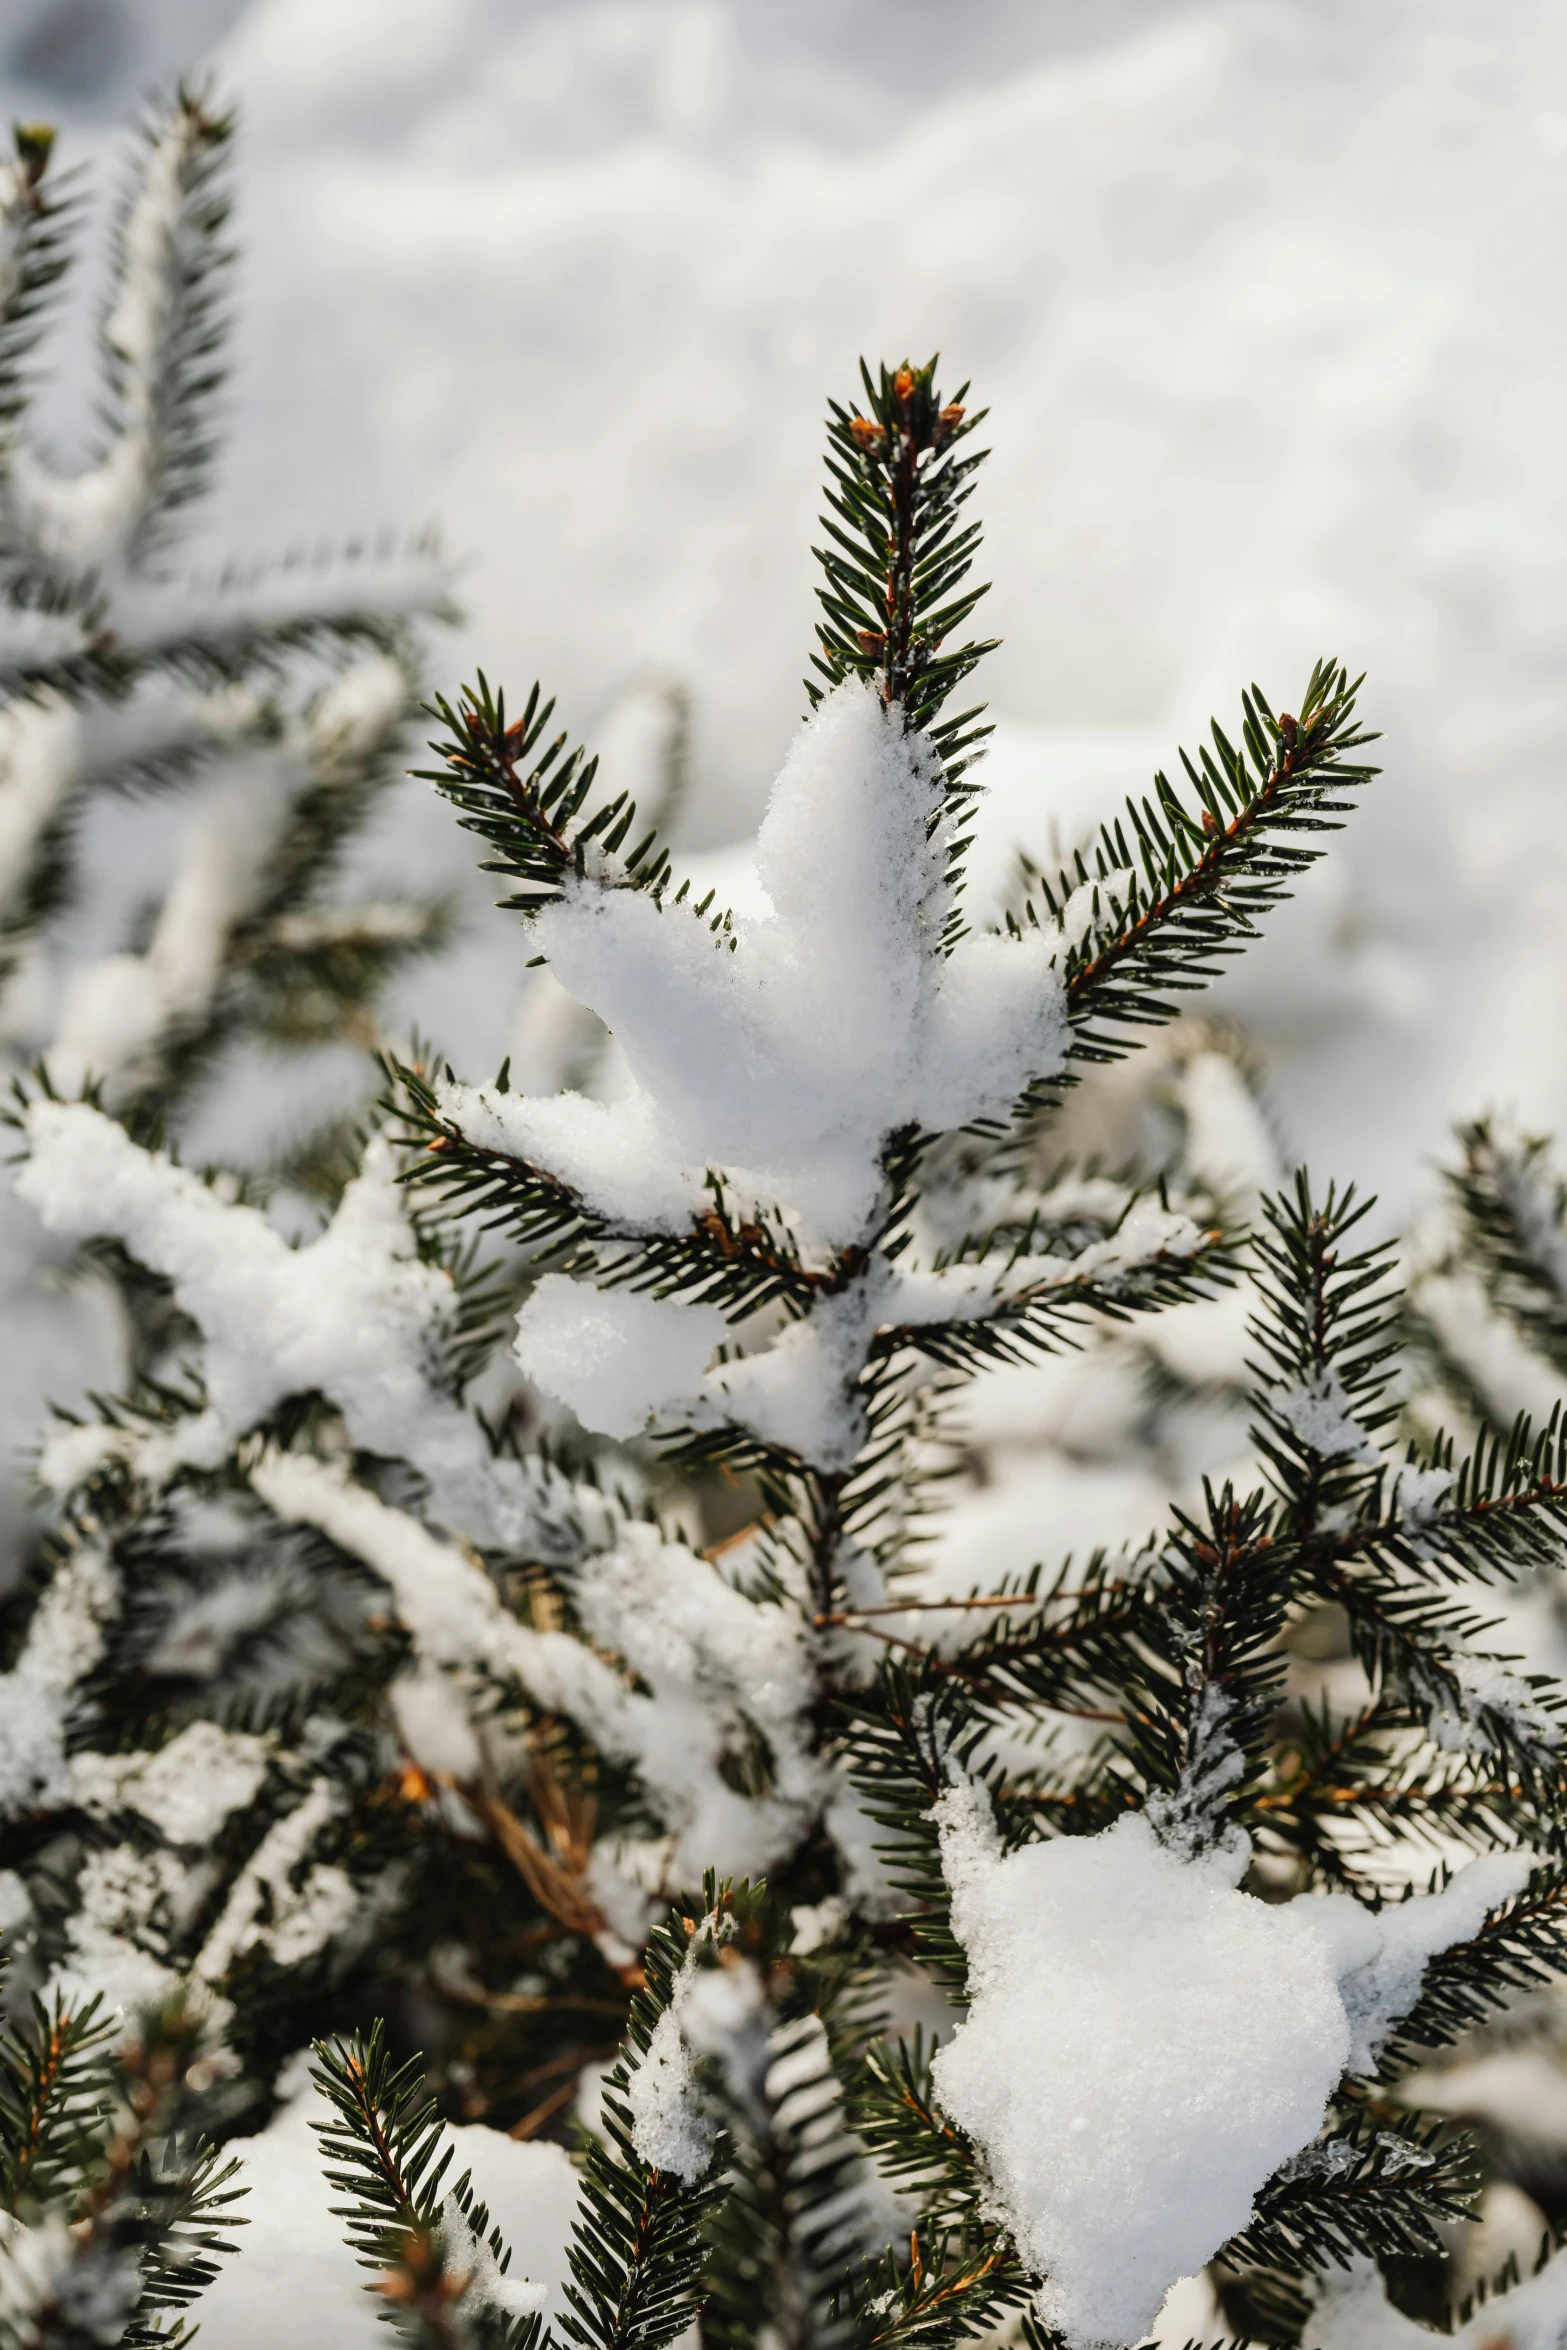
(613, 1355)
(1130, 2005)
(293, 2277)
(1319, 1412)
(187, 1788)
(788, 1049)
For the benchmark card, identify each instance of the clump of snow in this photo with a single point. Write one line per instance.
(788, 1047)
(129, 1905)
(434, 1724)
(64, 1641)
(355, 1315)
(713, 2010)
(187, 1788)
(1146, 2044)
(610, 1153)
(614, 1356)
(668, 2128)
(709, 1660)
(280, 1901)
(293, 2277)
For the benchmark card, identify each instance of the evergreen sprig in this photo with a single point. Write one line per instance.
(1179, 881)
(111, 2171)
(530, 797)
(1514, 1209)
(176, 402)
(36, 215)
(637, 2245)
(421, 2235)
(899, 554)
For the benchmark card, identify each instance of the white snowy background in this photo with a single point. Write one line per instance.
(1267, 298)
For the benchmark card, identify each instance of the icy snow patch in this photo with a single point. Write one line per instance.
(1131, 2006)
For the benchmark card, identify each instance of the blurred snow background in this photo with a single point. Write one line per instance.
(1266, 297)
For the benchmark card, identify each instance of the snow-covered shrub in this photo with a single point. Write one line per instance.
(956, 1956)
(273, 700)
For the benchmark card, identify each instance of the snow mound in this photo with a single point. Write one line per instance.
(1147, 2044)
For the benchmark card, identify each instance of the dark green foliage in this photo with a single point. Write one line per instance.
(385, 2151)
(1514, 1207)
(102, 2158)
(897, 482)
(637, 2247)
(530, 798)
(1179, 882)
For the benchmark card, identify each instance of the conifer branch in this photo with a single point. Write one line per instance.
(1514, 1207)
(386, 2146)
(1178, 882)
(897, 558)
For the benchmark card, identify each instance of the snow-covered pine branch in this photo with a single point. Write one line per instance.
(275, 701)
(495, 1730)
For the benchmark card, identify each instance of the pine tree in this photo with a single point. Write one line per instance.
(954, 1961)
(274, 700)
